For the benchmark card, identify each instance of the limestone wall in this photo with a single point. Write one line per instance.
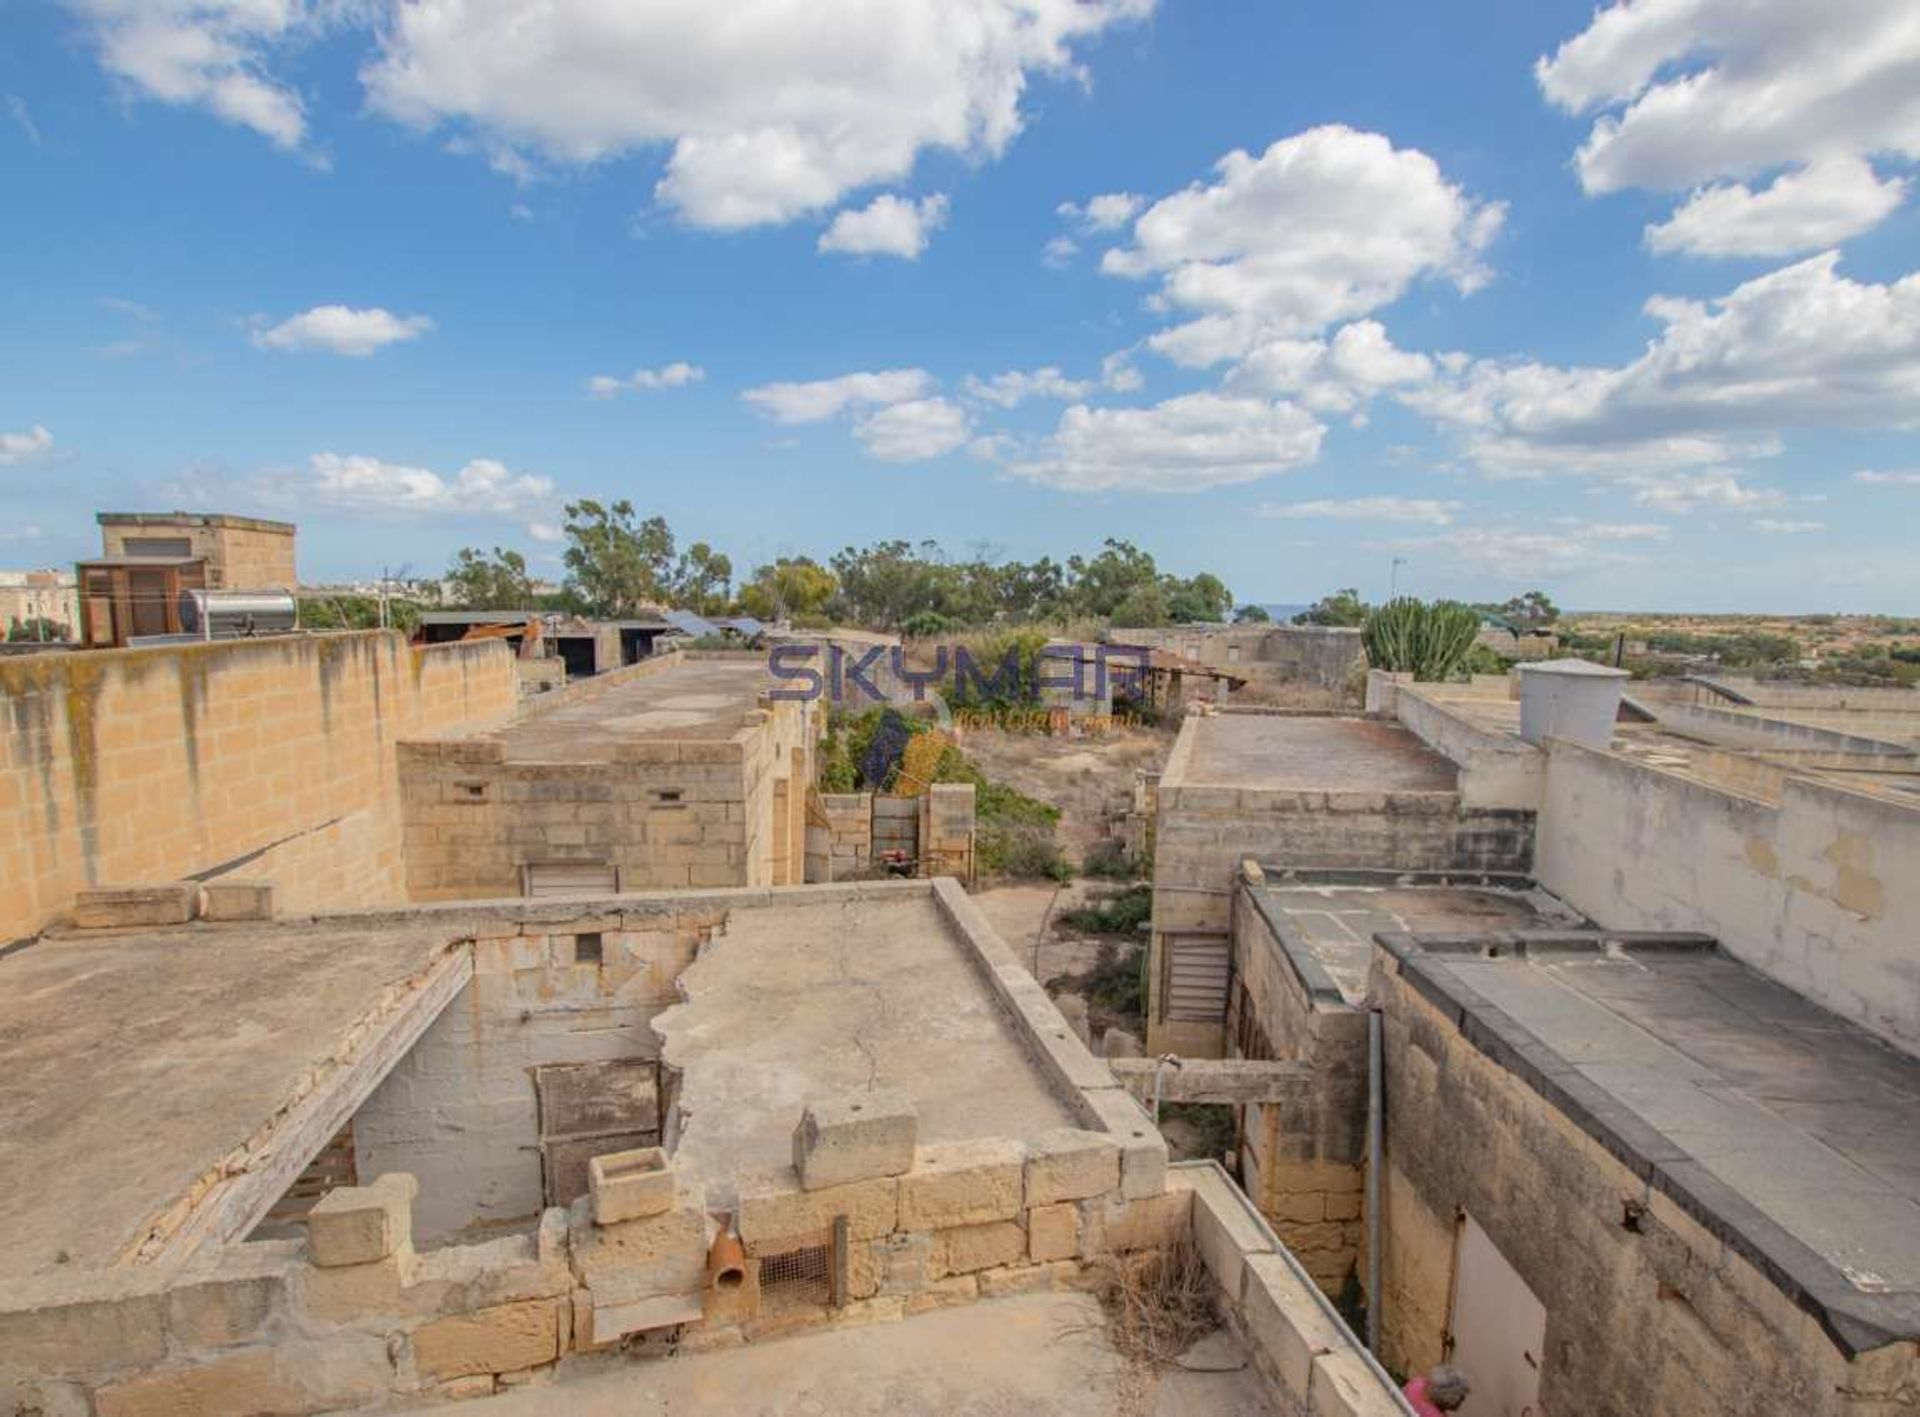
(272, 759)
(1312, 655)
(1653, 1318)
(1819, 891)
(710, 812)
(462, 1111)
(1202, 834)
(1304, 1166)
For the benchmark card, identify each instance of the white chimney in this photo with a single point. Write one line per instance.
(1570, 698)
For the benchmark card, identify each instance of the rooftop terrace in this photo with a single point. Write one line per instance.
(1310, 753)
(688, 699)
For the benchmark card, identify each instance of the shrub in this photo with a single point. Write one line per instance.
(1118, 981)
(1121, 914)
(1429, 641)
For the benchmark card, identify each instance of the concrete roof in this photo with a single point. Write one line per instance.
(693, 699)
(818, 999)
(1308, 753)
(1786, 1130)
(133, 1064)
(1328, 924)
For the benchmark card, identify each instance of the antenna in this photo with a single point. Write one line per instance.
(1393, 576)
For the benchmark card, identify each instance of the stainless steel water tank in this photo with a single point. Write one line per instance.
(237, 614)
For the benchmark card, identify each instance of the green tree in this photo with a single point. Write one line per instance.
(1144, 608)
(1342, 608)
(791, 586)
(617, 565)
(1534, 610)
(703, 580)
(497, 581)
(1203, 599)
(1103, 583)
(1252, 615)
(40, 628)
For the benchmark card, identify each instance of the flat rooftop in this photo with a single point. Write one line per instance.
(811, 1000)
(1037, 1355)
(1785, 1129)
(700, 699)
(1310, 753)
(135, 1063)
(1333, 924)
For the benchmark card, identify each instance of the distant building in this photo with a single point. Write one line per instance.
(30, 596)
(150, 560)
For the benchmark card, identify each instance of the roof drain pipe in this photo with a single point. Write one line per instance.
(1166, 1060)
(1376, 1166)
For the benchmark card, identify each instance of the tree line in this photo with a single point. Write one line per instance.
(619, 564)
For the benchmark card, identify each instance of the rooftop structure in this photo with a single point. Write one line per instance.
(1666, 1162)
(412, 1155)
(149, 560)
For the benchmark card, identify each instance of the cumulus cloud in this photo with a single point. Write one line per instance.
(1771, 527)
(1570, 547)
(18, 447)
(370, 486)
(1801, 347)
(1870, 478)
(1332, 376)
(1060, 251)
(1016, 386)
(1327, 225)
(1688, 92)
(340, 329)
(1365, 509)
(819, 399)
(886, 226)
(211, 54)
(763, 122)
(1817, 206)
(1108, 212)
(1184, 444)
(668, 376)
(913, 431)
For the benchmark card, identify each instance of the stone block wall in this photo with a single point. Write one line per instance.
(667, 814)
(462, 1110)
(946, 830)
(1654, 1318)
(1818, 890)
(271, 758)
(1303, 1164)
(850, 821)
(1202, 834)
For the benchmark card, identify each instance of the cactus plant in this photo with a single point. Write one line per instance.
(1431, 642)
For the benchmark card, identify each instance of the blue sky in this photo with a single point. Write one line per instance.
(1639, 325)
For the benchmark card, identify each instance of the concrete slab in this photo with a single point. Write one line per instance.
(132, 1064)
(699, 699)
(1337, 923)
(1801, 1116)
(1047, 1356)
(1311, 753)
(817, 1000)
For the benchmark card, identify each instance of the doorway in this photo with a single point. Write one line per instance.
(1497, 1330)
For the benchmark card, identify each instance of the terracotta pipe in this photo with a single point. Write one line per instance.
(726, 1262)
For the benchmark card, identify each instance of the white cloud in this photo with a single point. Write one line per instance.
(1016, 386)
(1334, 376)
(887, 226)
(1108, 212)
(1888, 479)
(1118, 373)
(1806, 210)
(1786, 528)
(765, 120)
(1687, 92)
(1324, 226)
(668, 376)
(340, 329)
(1185, 444)
(18, 447)
(369, 486)
(22, 116)
(1686, 492)
(820, 399)
(1801, 347)
(546, 531)
(1574, 547)
(913, 431)
(1366, 509)
(1059, 252)
(210, 54)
